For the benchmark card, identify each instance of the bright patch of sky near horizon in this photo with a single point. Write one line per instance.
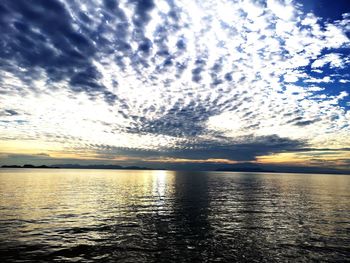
(184, 79)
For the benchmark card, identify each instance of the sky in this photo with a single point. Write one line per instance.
(166, 83)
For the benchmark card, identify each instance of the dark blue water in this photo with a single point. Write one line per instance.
(160, 216)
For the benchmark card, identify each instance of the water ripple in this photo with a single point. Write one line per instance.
(136, 216)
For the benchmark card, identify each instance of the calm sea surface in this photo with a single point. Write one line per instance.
(162, 216)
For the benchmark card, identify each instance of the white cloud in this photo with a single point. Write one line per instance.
(326, 79)
(280, 9)
(334, 60)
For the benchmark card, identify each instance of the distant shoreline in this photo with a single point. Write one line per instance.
(117, 167)
(106, 167)
(30, 166)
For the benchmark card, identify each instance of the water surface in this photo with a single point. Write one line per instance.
(163, 216)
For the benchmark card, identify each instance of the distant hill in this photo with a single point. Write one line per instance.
(29, 166)
(101, 166)
(251, 167)
(78, 166)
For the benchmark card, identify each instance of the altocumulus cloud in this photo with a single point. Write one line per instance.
(183, 79)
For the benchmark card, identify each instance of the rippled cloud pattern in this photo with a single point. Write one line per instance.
(233, 80)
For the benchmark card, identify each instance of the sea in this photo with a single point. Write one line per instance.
(76, 215)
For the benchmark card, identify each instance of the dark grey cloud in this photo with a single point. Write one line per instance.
(179, 121)
(306, 122)
(200, 64)
(44, 36)
(301, 121)
(8, 112)
(143, 7)
(41, 35)
(246, 150)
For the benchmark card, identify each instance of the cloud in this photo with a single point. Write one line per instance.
(177, 78)
(333, 60)
(9, 112)
(224, 152)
